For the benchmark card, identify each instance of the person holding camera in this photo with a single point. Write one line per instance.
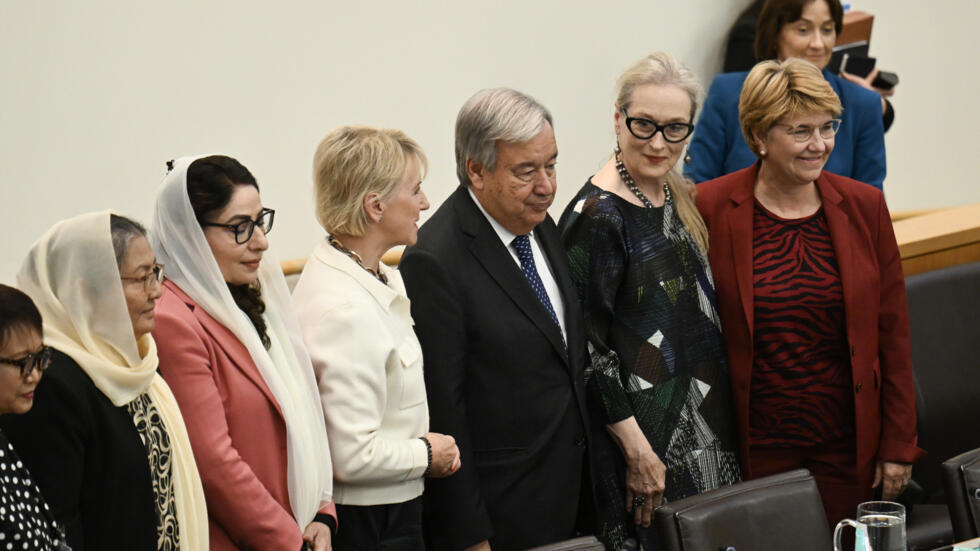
(804, 29)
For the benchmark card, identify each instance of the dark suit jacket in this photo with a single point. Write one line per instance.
(500, 381)
(89, 461)
(874, 305)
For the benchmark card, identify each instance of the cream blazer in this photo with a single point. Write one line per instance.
(368, 365)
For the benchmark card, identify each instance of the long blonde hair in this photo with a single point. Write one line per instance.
(663, 69)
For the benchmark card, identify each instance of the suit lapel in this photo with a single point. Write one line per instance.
(740, 228)
(839, 225)
(491, 253)
(236, 352)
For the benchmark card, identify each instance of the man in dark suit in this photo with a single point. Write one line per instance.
(502, 337)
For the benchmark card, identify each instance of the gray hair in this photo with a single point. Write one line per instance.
(123, 229)
(662, 69)
(495, 114)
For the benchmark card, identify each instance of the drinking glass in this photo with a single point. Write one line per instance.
(880, 526)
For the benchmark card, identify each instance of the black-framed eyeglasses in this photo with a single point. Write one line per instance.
(243, 230)
(644, 129)
(40, 360)
(803, 132)
(155, 276)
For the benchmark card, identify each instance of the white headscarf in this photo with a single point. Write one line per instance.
(72, 276)
(286, 368)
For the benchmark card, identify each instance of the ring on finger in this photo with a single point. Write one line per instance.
(638, 501)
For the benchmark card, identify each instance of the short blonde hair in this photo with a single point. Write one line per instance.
(353, 161)
(774, 90)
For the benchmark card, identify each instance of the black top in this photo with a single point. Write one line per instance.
(25, 519)
(87, 457)
(740, 50)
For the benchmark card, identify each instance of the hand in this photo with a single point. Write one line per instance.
(645, 473)
(894, 477)
(317, 536)
(865, 82)
(445, 455)
(645, 484)
(482, 546)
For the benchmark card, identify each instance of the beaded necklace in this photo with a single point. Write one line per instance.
(357, 258)
(628, 180)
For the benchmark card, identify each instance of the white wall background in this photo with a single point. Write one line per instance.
(95, 96)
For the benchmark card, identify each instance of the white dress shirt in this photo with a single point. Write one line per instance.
(546, 274)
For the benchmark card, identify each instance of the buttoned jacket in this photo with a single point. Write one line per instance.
(875, 310)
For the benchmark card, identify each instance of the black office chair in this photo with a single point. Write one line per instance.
(961, 476)
(782, 511)
(943, 316)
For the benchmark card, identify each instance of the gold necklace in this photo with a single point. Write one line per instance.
(357, 258)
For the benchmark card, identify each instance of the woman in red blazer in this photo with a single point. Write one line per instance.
(812, 300)
(231, 350)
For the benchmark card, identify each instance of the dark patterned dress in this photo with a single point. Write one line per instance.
(156, 440)
(657, 350)
(26, 522)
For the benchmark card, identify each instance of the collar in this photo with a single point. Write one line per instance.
(746, 190)
(385, 295)
(503, 233)
(833, 80)
(179, 293)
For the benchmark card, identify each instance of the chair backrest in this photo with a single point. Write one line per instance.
(961, 475)
(585, 543)
(782, 511)
(944, 317)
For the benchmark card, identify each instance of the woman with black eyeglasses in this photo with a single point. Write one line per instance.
(105, 440)
(638, 252)
(231, 349)
(24, 515)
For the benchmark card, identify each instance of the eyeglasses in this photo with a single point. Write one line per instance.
(645, 129)
(803, 132)
(243, 230)
(40, 360)
(155, 276)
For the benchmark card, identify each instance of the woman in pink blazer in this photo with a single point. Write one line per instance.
(231, 350)
(812, 300)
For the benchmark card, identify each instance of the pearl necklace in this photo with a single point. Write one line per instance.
(628, 180)
(357, 258)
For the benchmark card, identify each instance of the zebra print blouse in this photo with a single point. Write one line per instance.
(801, 373)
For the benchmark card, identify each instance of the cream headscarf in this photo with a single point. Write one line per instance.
(71, 274)
(286, 368)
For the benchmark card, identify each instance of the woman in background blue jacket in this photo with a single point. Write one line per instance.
(792, 28)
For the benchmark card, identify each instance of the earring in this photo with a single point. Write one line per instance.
(617, 150)
(687, 158)
(380, 218)
(762, 152)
